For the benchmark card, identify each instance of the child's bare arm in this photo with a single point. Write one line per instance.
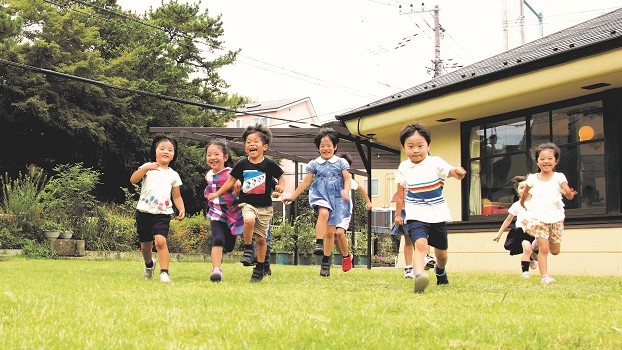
(568, 191)
(225, 187)
(524, 195)
(363, 193)
(399, 205)
(279, 187)
(140, 172)
(179, 203)
(458, 173)
(347, 180)
(286, 198)
(504, 225)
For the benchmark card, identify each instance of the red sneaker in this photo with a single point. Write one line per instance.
(346, 263)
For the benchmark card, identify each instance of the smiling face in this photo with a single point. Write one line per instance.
(165, 151)
(547, 161)
(416, 147)
(327, 148)
(254, 147)
(215, 158)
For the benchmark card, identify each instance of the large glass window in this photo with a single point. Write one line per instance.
(502, 149)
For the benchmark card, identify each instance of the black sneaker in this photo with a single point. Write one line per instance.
(318, 249)
(247, 257)
(441, 279)
(325, 269)
(258, 273)
(266, 268)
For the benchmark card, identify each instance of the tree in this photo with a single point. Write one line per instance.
(173, 50)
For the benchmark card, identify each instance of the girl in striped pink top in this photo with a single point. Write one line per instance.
(225, 216)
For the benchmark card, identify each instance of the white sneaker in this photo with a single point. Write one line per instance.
(148, 274)
(216, 275)
(533, 264)
(525, 274)
(408, 271)
(164, 277)
(421, 282)
(429, 261)
(546, 279)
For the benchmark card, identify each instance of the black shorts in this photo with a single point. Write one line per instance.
(513, 242)
(149, 225)
(435, 233)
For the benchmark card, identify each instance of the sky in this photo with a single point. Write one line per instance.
(343, 54)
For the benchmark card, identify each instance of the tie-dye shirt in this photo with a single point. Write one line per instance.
(155, 191)
(424, 183)
(224, 208)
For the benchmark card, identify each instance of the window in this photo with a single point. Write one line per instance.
(260, 120)
(500, 150)
(374, 187)
(240, 122)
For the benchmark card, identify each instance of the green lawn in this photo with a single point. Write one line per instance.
(82, 304)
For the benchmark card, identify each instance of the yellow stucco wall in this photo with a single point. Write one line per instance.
(584, 251)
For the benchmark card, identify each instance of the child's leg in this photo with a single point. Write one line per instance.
(262, 248)
(421, 247)
(526, 258)
(146, 251)
(321, 226)
(441, 258)
(408, 251)
(329, 242)
(542, 256)
(341, 241)
(249, 226)
(162, 251)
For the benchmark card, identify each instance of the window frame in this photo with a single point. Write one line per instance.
(612, 174)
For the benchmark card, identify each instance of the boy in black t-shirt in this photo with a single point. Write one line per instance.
(256, 173)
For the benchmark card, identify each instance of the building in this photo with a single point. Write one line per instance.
(487, 117)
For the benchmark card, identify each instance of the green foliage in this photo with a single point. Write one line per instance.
(68, 195)
(283, 238)
(21, 197)
(360, 243)
(36, 250)
(109, 229)
(67, 121)
(304, 227)
(192, 235)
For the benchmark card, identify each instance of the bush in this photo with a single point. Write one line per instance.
(192, 235)
(20, 203)
(283, 238)
(304, 227)
(36, 250)
(109, 229)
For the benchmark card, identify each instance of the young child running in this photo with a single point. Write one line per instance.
(341, 241)
(154, 208)
(330, 192)
(517, 241)
(420, 180)
(256, 173)
(545, 208)
(408, 248)
(225, 216)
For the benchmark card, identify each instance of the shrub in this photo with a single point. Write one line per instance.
(192, 235)
(109, 229)
(283, 238)
(304, 227)
(36, 250)
(20, 203)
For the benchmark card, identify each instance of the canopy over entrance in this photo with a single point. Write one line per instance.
(296, 144)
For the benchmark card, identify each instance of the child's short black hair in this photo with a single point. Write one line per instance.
(410, 130)
(156, 141)
(266, 134)
(332, 135)
(225, 150)
(347, 157)
(518, 179)
(547, 145)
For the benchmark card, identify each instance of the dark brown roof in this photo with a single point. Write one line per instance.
(297, 144)
(597, 35)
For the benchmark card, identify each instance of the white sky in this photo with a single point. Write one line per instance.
(344, 54)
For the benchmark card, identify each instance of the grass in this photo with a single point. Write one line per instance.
(82, 304)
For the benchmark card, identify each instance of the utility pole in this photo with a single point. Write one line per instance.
(437, 63)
